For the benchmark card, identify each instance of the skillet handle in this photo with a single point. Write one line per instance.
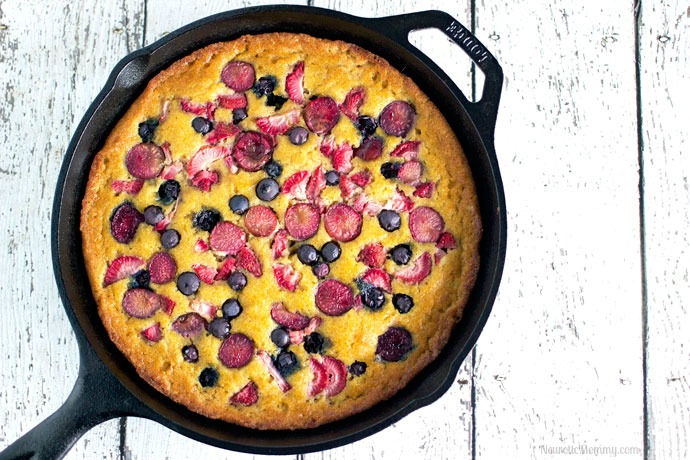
(484, 111)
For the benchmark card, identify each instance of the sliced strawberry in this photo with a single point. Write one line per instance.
(247, 396)
(252, 150)
(362, 178)
(204, 180)
(278, 124)
(446, 241)
(439, 254)
(228, 267)
(397, 118)
(302, 220)
(399, 202)
(297, 337)
(342, 222)
(221, 131)
(294, 83)
(279, 246)
(167, 305)
(232, 101)
(426, 224)
(286, 276)
(266, 360)
(204, 158)
(377, 277)
(366, 206)
(153, 333)
(165, 111)
(327, 146)
(162, 268)
(409, 150)
(165, 147)
(260, 220)
(370, 149)
(227, 238)
(410, 172)
(122, 267)
(320, 379)
(295, 186)
(206, 309)
(145, 160)
(238, 75)
(372, 255)
(172, 170)
(348, 188)
(124, 222)
(200, 246)
(424, 190)
(342, 158)
(163, 224)
(353, 101)
(193, 107)
(417, 272)
(131, 187)
(321, 114)
(334, 298)
(230, 163)
(294, 321)
(236, 351)
(205, 273)
(247, 260)
(141, 303)
(189, 325)
(317, 182)
(337, 375)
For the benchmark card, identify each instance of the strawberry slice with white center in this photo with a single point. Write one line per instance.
(320, 379)
(426, 224)
(316, 184)
(131, 187)
(417, 272)
(204, 158)
(266, 360)
(399, 202)
(221, 131)
(165, 110)
(172, 170)
(247, 260)
(424, 190)
(409, 150)
(362, 178)
(193, 107)
(446, 241)
(348, 188)
(295, 186)
(366, 206)
(411, 173)
(153, 333)
(247, 396)
(291, 320)
(372, 255)
(294, 83)
(204, 180)
(165, 147)
(228, 267)
(279, 246)
(278, 124)
(260, 220)
(232, 101)
(377, 277)
(342, 158)
(205, 273)
(286, 276)
(227, 238)
(337, 375)
(328, 146)
(297, 337)
(200, 246)
(353, 101)
(163, 224)
(123, 267)
(205, 309)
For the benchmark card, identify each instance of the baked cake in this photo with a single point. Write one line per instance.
(281, 231)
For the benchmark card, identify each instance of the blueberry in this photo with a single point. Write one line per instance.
(366, 125)
(403, 302)
(267, 189)
(321, 270)
(330, 252)
(298, 135)
(390, 170)
(401, 254)
(190, 353)
(208, 377)
(286, 362)
(307, 254)
(153, 215)
(219, 327)
(275, 101)
(373, 298)
(237, 281)
(313, 343)
(202, 125)
(188, 283)
(358, 368)
(264, 85)
(239, 204)
(206, 219)
(140, 279)
(170, 238)
(273, 169)
(169, 191)
(280, 337)
(238, 115)
(231, 308)
(147, 129)
(332, 177)
(389, 220)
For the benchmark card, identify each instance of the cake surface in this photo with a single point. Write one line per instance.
(281, 231)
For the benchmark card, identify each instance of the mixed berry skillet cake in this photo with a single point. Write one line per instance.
(281, 231)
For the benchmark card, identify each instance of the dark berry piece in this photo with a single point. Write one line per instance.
(190, 325)
(332, 177)
(401, 254)
(188, 283)
(208, 377)
(390, 170)
(394, 344)
(264, 85)
(280, 337)
(370, 149)
(321, 270)
(397, 118)
(389, 220)
(321, 114)
(330, 252)
(190, 353)
(237, 281)
(313, 343)
(206, 219)
(140, 279)
(273, 169)
(124, 222)
(366, 125)
(202, 125)
(286, 362)
(373, 298)
(231, 308)
(236, 351)
(403, 303)
(252, 150)
(239, 204)
(267, 189)
(358, 368)
(169, 191)
(275, 101)
(147, 129)
(298, 135)
(239, 115)
(170, 238)
(307, 254)
(153, 214)
(219, 327)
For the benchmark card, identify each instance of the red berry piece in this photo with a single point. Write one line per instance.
(426, 224)
(278, 124)
(145, 161)
(226, 269)
(316, 184)
(394, 344)
(337, 375)
(286, 276)
(294, 321)
(397, 118)
(399, 202)
(238, 75)
(205, 179)
(141, 303)
(321, 114)
(370, 149)
(167, 305)
(247, 396)
(347, 186)
(342, 158)
(446, 241)
(342, 222)
(279, 245)
(153, 333)
(252, 150)
(409, 150)
(131, 187)
(124, 222)
(189, 325)
(122, 267)
(366, 206)
(260, 220)
(201, 246)
(417, 272)
(193, 107)
(302, 220)
(205, 273)
(236, 351)
(227, 238)
(206, 309)
(222, 131)
(294, 83)
(353, 101)
(362, 178)
(247, 260)
(232, 101)
(410, 173)
(378, 278)
(204, 157)
(266, 360)
(424, 190)
(334, 298)
(320, 377)
(295, 186)
(162, 268)
(372, 255)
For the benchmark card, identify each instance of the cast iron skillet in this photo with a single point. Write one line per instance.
(108, 386)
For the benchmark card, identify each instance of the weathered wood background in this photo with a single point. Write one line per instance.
(589, 341)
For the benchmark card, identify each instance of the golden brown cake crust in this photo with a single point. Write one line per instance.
(331, 68)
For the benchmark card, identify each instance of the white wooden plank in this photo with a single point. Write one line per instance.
(559, 363)
(55, 60)
(665, 60)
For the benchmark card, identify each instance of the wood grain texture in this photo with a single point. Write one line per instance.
(664, 62)
(55, 59)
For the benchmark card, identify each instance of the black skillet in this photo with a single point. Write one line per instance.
(108, 386)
